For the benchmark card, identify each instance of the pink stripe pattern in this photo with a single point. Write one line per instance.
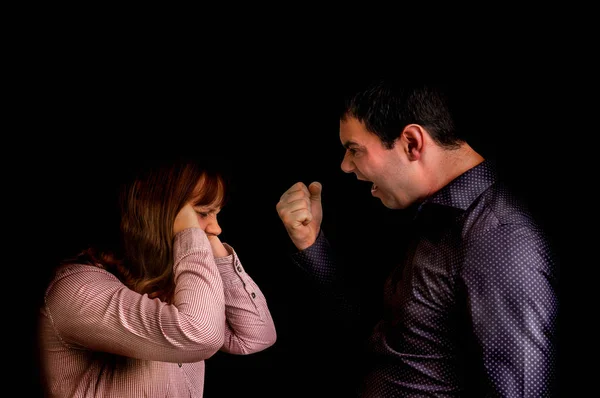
(156, 349)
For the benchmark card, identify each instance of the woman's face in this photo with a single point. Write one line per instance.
(207, 213)
(207, 217)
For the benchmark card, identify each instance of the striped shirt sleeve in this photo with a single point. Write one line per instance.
(91, 309)
(249, 327)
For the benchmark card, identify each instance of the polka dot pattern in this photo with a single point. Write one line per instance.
(472, 310)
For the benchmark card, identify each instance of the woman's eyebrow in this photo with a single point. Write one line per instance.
(209, 207)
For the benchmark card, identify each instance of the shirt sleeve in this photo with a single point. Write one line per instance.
(249, 326)
(91, 309)
(320, 263)
(317, 261)
(510, 280)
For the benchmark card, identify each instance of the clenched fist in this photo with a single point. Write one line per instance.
(300, 210)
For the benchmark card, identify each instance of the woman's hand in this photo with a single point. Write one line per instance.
(217, 247)
(186, 218)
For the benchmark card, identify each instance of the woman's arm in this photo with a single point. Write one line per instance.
(91, 309)
(249, 326)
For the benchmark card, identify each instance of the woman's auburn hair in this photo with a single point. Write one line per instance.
(148, 202)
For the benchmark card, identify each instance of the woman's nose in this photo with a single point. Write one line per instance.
(213, 227)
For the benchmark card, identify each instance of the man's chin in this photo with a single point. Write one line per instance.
(391, 204)
(386, 203)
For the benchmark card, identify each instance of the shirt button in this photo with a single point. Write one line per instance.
(253, 294)
(239, 268)
(179, 364)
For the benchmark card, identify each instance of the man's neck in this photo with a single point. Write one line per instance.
(455, 163)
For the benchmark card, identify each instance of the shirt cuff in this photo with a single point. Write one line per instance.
(188, 241)
(230, 267)
(317, 260)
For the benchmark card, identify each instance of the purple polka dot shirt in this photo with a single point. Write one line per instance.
(472, 309)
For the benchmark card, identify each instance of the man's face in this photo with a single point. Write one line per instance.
(370, 160)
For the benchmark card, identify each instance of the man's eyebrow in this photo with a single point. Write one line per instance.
(348, 144)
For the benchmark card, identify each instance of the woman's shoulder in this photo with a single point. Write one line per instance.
(75, 267)
(73, 274)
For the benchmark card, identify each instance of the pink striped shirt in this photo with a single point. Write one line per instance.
(217, 306)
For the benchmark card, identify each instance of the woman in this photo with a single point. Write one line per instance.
(140, 319)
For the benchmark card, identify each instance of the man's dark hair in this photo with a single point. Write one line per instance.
(386, 106)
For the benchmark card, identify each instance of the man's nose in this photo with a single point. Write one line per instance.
(347, 165)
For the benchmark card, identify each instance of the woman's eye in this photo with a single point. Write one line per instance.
(203, 215)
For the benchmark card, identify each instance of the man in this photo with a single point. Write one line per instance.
(472, 307)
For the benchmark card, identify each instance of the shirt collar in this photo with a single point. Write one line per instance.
(464, 189)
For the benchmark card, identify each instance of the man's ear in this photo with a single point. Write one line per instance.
(412, 141)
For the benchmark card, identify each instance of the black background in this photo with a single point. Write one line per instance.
(273, 122)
